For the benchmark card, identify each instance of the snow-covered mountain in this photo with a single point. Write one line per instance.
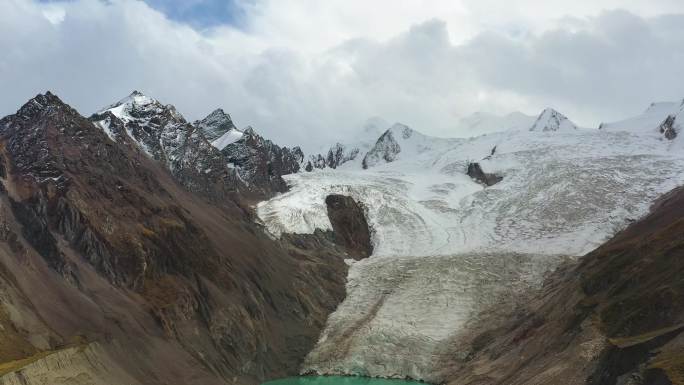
(219, 129)
(215, 125)
(342, 153)
(664, 117)
(447, 247)
(158, 129)
(113, 273)
(211, 155)
(552, 120)
(163, 134)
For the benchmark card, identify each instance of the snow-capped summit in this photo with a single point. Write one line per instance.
(157, 129)
(661, 118)
(552, 120)
(216, 124)
(259, 162)
(140, 107)
(219, 129)
(390, 144)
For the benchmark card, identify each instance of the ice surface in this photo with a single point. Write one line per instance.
(229, 137)
(441, 237)
(562, 192)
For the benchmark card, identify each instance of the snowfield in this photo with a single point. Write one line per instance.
(448, 248)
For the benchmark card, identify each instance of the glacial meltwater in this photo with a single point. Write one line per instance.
(339, 380)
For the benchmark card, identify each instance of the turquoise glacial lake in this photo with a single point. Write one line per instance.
(339, 380)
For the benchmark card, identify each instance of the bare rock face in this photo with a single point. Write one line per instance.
(211, 156)
(261, 163)
(386, 148)
(214, 125)
(349, 225)
(100, 245)
(162, 133)
(475, 171)
(337, 155)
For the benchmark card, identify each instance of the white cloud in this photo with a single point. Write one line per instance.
(306, 72)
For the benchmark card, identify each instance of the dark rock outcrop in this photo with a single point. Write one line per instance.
(551, 120)
(667, 127)
(214, 125)
(350, 228)
(386, 149)
(162, 133)
(261, 163)
(337, 155)
(475, 171)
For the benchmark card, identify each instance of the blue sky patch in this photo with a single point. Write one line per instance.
(200, 14)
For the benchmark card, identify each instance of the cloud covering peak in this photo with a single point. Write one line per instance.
(309, 72)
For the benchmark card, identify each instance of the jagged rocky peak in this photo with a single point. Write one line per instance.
(337, 155)
(260, 163)
(34, 140)
(159, 130)
(42, 103)
(387, 147)
(348, 150)
(163, 134)
(216, 124)
(142, 109)
(552, 120)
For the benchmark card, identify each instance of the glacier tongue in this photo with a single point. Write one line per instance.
(438, 234)
(400, 312)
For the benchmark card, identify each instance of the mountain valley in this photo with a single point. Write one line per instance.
(137, 247)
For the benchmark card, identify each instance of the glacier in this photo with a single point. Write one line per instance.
(448, 249)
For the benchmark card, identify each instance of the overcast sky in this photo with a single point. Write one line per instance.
(311, 71)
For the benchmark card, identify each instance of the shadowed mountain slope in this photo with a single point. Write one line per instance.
(112, 270)
(615, 318)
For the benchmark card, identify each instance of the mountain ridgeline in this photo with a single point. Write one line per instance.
(139, 248)
(129, 253)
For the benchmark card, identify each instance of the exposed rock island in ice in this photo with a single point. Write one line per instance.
(447, 248)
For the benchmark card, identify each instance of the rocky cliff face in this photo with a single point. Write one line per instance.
(615, 318)
(385, 149)
(106, 241)
(349, 225)
(215, 125)
(475, 171)
(162, 133)
(261, 163)
(336, 156)
(667, 127)
(210, 156)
